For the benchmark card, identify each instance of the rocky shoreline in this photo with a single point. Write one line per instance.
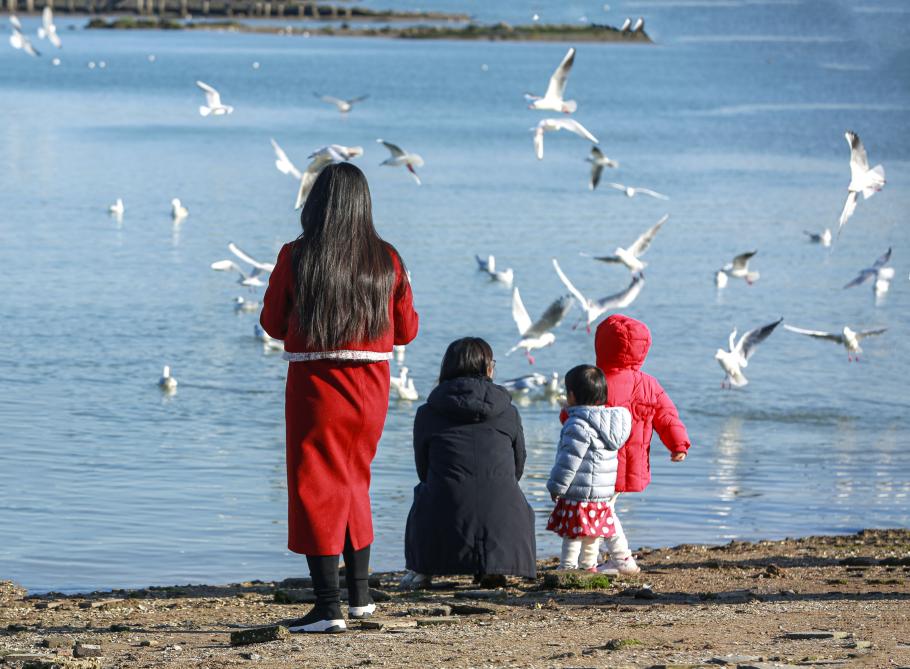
(826, 601)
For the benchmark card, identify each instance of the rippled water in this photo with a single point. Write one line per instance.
(738, 114)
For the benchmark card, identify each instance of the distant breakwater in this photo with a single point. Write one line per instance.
(471, 31)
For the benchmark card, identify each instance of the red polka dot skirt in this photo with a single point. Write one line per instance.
(572, 520)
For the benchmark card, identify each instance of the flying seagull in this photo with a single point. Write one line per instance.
(630, 256)
(249, 279)
(738, 269)
(48, 30)
(556, 124)
(847, 338)
(553, 98)
(213, 104)
(249, 260)
(598, 162)
(401, 157)
(823, 237)
(882, 274)
(594, 309)
(283, 163)
(344, 106)
(537, 335)
(489, 266)
(737, 358)
(321, 158)
(18, 40)
(862, 179)
(632, 191)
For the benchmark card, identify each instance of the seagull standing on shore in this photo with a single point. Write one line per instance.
(344, 106)
(882, 274)
(538, 334)
(489, 266)
(321, 158)
(213, 105)
(598, 162)
(400, 157)
(632, 191)
(18, 40)
(737, 358)
(626, 25)
(862, 179)
(48, 30)
(738, 269)
(639, 26)
(594, 309)
(630, 257)
(847, 338)
(823, 237)
(556, 124)
(553, 98)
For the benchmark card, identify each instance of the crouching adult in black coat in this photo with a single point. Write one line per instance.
(469, 515)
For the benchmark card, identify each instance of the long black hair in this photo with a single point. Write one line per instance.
(345, 271)
(468, 356)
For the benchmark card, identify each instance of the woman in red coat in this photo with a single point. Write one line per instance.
(340, 298)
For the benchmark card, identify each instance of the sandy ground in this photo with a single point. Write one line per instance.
(741, 604)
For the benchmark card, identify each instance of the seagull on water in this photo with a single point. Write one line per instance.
(882, 274)
(823, 237)
(399, 351)
(553, 98)
(594, 309)
(213, 104)
(403, 385)
(268, 342)
(524, 385)
(319, 160)
(862, 179)
(18, 40)
(737, 358)
(538, 334)
(401, 157)
(48, 30)
(556, 124)
(738, 269)
(847, 338)
(117, 209)
(178, 211)
(246, 306)
(598, 162)
(344, 106)
(489, 266)
(632, 191)
(630, 256)
(167, 383)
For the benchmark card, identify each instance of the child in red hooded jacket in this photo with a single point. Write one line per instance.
(621, 344)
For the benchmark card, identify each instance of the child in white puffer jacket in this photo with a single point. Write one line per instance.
(583, 478)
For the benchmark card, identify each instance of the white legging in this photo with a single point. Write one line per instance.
(579, 553)
(617, 545)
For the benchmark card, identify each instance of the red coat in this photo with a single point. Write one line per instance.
(334, 414)
(622, 344)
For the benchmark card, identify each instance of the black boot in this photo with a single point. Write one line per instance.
(325, 616)
(357, 573)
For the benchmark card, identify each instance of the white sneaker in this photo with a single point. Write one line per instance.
(624, 567)
(320, 622)
(361, 612)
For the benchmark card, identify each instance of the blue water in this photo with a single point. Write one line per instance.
(737, 113)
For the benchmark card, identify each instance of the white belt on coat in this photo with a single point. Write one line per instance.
(357, 356)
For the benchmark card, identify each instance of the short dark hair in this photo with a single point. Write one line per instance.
(588, 384)
(468, 356)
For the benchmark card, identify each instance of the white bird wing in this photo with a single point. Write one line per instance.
(14, 22)
(283, 163)
(859, 161)
(569, 285)
(818, 334)
(644, 241)
(359, 98)
(870, 333)
(538, 141)
(625, 297)
(617, 186)
(557, 86)
(47, 19)
(308, 178)
(732, 341)
(212, 97)
(245, 257)
(552, 317)
(750, 340)
(227, 266)
(338, 102)
(742, 260)
(394, 149)
(652, 193)
(519, 313)
(596, 171)
(572, 125)
(849, 208)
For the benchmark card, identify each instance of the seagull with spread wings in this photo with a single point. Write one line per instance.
(738, 269)
(344, 106)
(556, 124)
(48, 29)
(632, 191)
(594, 309)
(847, 338)
(737, 358)
(18, 40)
(320, 159)
(538, 334)
(863, 179)
(630, 256)
(213, 105)
(283, 163)
(598, 162)
(400, 157)
(553, 98)
(882, 274)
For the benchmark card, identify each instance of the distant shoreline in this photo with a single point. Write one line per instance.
(497, 32)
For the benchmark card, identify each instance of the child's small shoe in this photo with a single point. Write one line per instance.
(623, 566)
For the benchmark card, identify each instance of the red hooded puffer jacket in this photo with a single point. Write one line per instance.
(622, 344)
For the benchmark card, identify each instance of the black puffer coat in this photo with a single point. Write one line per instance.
(469, 516)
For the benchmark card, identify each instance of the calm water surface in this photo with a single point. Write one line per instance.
(737, 113)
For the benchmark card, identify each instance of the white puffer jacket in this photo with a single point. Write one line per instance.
(585, 468)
